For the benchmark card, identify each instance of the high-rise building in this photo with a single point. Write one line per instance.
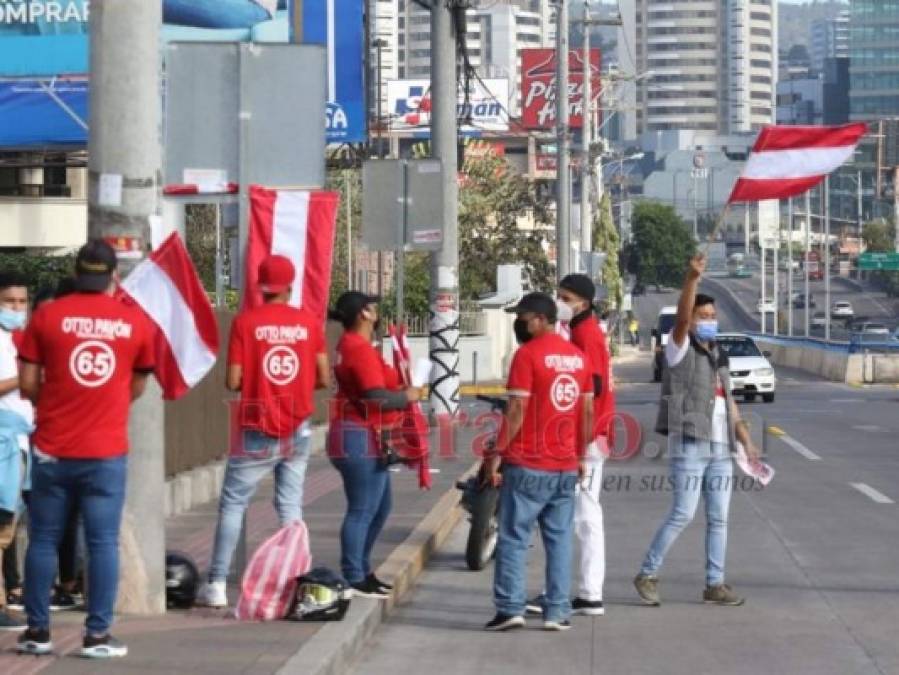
(714, 64)
(385, 48)
(829, 39)
(874, 59)
(496, 32)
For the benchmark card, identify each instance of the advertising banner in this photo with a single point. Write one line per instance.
(538, 86)
(43, 112)
(486, 109)
(346, 115)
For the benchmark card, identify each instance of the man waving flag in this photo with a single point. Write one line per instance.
(789, 160)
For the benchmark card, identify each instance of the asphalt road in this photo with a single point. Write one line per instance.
(816, 554)
(865, 303)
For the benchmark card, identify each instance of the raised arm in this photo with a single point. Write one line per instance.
(688, 299)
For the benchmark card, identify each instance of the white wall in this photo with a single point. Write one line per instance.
(43, 222)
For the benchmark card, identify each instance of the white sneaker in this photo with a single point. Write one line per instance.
(213, 594)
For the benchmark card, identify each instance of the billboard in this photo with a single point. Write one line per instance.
(345, 116)
(486, 108)
(48, 38)
(46, 113)
(538, 86)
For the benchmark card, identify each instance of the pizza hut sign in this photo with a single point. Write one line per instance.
(538, 86)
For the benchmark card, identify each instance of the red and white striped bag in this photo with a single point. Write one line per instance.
(270, 580)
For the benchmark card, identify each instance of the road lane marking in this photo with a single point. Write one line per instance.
(776, 431)
(800, 448)
(872, 428)
(847, 400)
(871, 493)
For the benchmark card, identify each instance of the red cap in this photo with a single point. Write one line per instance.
(276, 274)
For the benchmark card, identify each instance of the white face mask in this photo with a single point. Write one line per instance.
(564, 313)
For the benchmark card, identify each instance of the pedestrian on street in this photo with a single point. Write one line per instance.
(66, 594)
(16, 420)
(577, 291)
(698, 414)
(634, 330)
(541, 446)
(85, 358)
(369, 396)
(277, 357)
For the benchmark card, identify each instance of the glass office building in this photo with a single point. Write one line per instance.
(874, 59)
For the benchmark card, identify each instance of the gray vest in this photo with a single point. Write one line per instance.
(688, 393)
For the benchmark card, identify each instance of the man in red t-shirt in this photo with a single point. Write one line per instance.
(276, 358)
(577, 291)
(541, 445)
(85, 358)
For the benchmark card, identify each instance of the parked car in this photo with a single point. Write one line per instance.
(766, 306)
(751, 373)
(818, 320)
(842, 310)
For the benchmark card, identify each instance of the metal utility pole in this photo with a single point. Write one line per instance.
(586, 140)
(775, 327)
(444, 325)
(896, 204)
(790, 267)
(125, 160)
(808, 248)
(563, 149)
(827, 259)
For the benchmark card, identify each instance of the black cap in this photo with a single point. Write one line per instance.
(349, 305)
(581, 285)
(538, 303)
(94, 265)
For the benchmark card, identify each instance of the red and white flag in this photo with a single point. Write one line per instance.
(166, 287)
(789, 160)
(299, 225)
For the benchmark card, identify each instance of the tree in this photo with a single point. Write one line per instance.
(663, 243)
(493, 200)
(348, 183)
(607, 240)
(880, 236)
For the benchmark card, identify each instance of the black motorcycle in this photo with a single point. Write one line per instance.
(481, 500)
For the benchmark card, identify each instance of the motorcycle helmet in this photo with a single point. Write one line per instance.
(182, 580)
(321, 595)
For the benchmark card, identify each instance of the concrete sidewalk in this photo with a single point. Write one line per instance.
(205, 640)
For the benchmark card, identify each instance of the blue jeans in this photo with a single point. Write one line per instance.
(214, 13)
(288, 458)
(366, 484)
(97, 488)
(547, 499)
(697, 468)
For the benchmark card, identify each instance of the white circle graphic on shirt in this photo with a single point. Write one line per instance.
(564, 392)
(280, 365)
(92, 363)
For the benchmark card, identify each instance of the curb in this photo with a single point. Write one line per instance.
(334, 649)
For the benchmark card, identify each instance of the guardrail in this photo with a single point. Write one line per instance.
(470, 323)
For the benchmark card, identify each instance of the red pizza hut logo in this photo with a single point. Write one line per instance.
(538, 86)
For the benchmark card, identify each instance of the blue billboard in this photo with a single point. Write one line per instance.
(346, 116)
(43, 113)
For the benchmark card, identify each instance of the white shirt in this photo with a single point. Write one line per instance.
(674, 355)
(9, 368)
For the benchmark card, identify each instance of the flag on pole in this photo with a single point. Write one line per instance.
(298, 224)
(789, 160)
(410, 438)
(166, 287)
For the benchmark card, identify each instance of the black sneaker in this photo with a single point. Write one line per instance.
(62, 601)
(10, 623)
(534, 606)
(557, 625)
(102, 647)
(503, 622)
(372, 579)
(35, 641)
(15, 601)
(370, 589)
(587, 607)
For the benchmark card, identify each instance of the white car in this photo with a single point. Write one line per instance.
(818, 320)
(766, 306)
(842, 310)
(873, 329)
(751, 373)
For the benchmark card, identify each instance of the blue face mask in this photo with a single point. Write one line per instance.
(11, 320)
(707, 331)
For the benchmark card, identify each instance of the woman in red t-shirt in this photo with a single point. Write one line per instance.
(368, 395)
